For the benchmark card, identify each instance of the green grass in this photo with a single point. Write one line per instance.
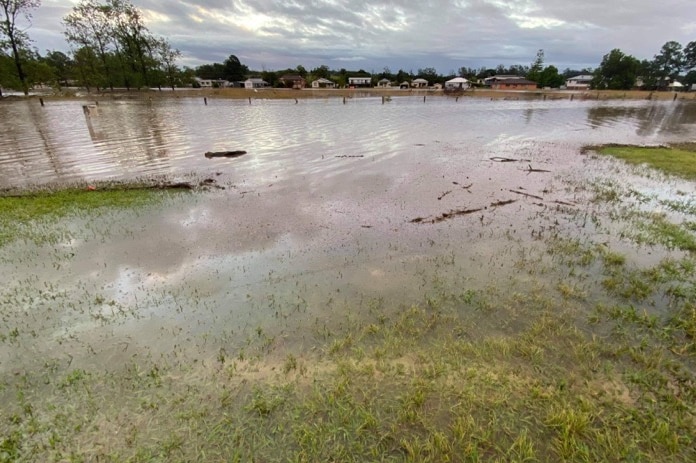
(678, 160)
(20, 215)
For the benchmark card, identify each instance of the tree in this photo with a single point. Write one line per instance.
(12, 36)
(167, 57)
(429, 74)
(234, 70)
(534, 73)
(322, 71)
(550, 77)
(61, 64)
(88, 25)
(617, 71)
(690, 55)
(670, 61)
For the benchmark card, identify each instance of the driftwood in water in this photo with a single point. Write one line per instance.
(501, 159)
(529, 169)
(455, 213)
(526, 194)
(444, 194)
(224, 154)
(351, 156)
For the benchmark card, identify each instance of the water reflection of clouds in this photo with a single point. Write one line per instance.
(284, 140)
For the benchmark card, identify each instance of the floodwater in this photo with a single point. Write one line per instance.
(334, 206)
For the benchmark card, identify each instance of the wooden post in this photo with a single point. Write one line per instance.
(344, 100)
(423, 98)
(571, 96)
(205, 100)
(249, 100)
(42, 102)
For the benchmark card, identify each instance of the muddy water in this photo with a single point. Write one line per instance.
(314, 223)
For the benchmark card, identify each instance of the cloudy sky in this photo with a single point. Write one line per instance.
(400, 34)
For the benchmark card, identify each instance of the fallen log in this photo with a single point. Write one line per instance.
(502, 159)
(526, 194)
(530, 169)
(225, 154)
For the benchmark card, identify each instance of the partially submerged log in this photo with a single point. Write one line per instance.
(225, 154)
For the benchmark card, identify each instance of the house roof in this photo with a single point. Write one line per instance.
(419, 81)
(457, 80)
(501, 77)
(322, 80)
(582, 78)
(516, 81)
(256, 80)
(384, 80)
(291, 77)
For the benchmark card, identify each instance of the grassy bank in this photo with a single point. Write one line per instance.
(679, 160)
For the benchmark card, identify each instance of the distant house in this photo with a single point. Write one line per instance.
(419, 83)
(359, 81)
(458, 83)
(404, 85)
(675, 86)
(498, 78)
(384, 83)
(209, 83)
(517, 83)
(255, 82)
(293, 81)
(323, 83)
(581, 82)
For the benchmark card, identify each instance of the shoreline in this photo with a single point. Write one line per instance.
(309, 93)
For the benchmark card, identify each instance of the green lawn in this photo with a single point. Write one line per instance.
(677, 160)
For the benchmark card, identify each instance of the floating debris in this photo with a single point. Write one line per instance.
(225, 154)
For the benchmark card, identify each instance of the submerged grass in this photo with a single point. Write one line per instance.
(588, 368)
(420, 384)
(20, 214)
(679, 160)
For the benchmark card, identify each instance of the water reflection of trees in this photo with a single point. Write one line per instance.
(134, 133)
(31, 147)
(661, 118)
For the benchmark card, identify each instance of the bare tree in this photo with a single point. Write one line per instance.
(12, 36)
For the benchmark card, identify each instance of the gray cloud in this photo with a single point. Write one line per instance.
(400, 34)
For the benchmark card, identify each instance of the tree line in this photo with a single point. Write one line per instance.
(111, 47)
(619, 71)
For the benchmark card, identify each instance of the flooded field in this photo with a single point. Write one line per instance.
(401, 255)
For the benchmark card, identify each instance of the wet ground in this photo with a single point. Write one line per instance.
(333, 206)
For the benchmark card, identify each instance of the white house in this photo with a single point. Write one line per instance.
(323, 83)
(359, 81)
(581, 82)
(457, 83)
(209, 83)
(419, 83)
(384, 83)
(255, 82)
